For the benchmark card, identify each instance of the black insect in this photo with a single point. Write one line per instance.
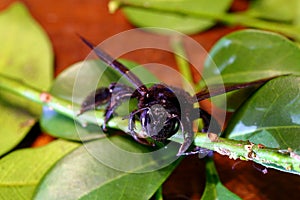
(161, 109)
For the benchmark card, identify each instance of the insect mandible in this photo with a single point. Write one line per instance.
(162, 110)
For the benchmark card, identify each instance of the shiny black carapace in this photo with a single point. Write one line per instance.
(161, 109)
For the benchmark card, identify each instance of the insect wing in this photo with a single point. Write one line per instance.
(117, 66)
(215, 90)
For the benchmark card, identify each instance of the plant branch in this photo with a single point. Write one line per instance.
(60, 105)
(227, 18)
(232, 148)
(20, 88)
(245, 150)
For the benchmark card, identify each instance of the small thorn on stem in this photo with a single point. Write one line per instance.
(45, 97)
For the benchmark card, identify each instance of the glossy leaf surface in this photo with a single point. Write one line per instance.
(87, 174)
(274, 10)
(271, 116)
(178, 22)
(25, 54)
(77, 82)
(250, 55)
(22, 170)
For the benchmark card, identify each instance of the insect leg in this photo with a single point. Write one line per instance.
(202, 152)
(210, 124)
(131, 124)
(119, 94)
(131, 127)
(99, 97)
(188, 135)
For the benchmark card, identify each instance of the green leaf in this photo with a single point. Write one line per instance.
(26, 54)
(182, 23)
(250, 55)
(22, 170)
(214, 189)
(271, 116)
(72, 85)
(111, 168)
(278, 10)
(59, 125)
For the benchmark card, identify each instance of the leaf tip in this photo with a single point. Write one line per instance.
(113, 6)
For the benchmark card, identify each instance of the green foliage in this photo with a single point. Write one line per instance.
(87, 175)
(250, 55)
(22, 170)
(246, 19)
(214, 189)
(182, 23)
(95, 169)
(271, 116)
(279, 10)
(25, 54)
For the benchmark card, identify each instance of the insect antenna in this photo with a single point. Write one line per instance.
(139, 86)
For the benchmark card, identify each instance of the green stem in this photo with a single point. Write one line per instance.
(244, 150)
(232, 148)
(60, 105)
(227, 18)
(22, 89)
(182, 62)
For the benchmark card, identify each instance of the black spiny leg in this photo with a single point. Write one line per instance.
(209, 122)
(114, 96)
(95, 99)
(211, 125)
(119, 94)
(188, 136)
(131, 127)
